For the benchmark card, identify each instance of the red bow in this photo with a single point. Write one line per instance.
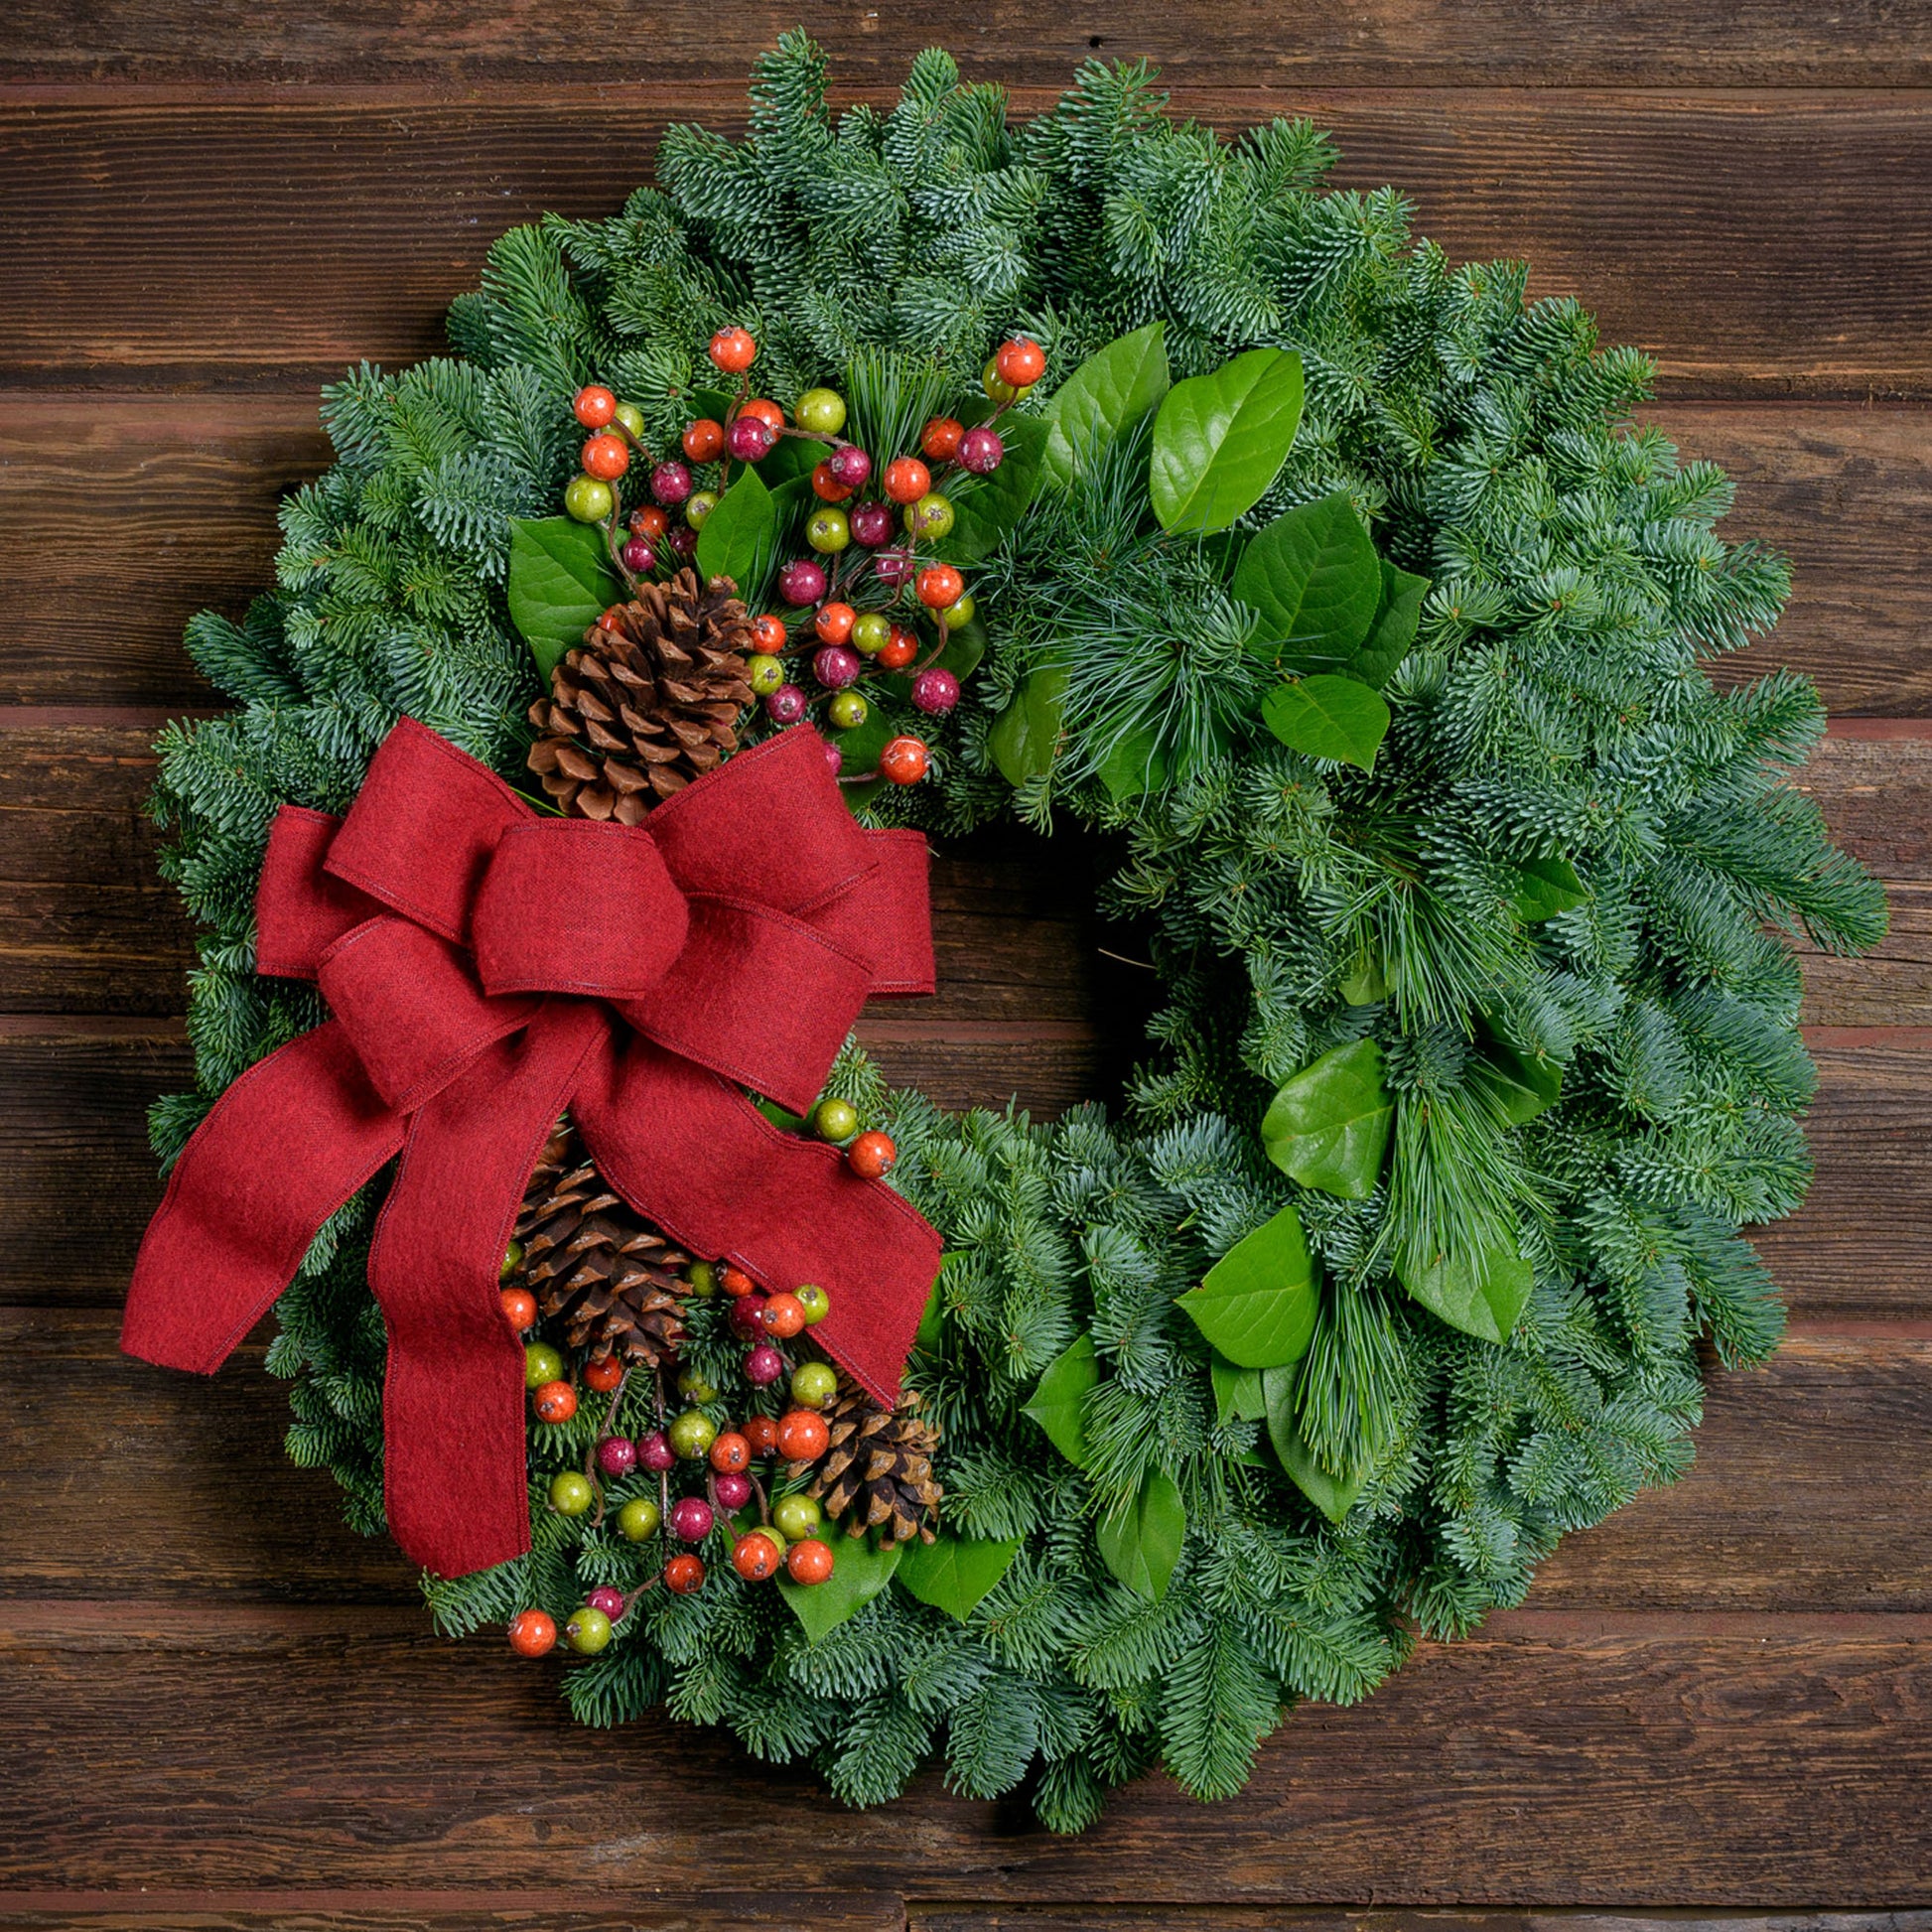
(486, 968)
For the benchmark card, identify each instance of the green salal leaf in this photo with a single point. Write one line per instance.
(1220, 439)
(953, 1574)
(1393, 632)
(560, 582)
(1136, 763)
(1313, 579)
(1334, 1496)
(1364, 983)
(1027, 734)
(859, 1574)
(986, 508)
(1519, 1085)
(1547, 887)
(1103, 399)
(1141, 1541)
(1328, 717)
(931, 1333)
(1238, 1393)
(1480, 1291)
(740, 537)
(1257, 1304)
(1061, 1396)
(1329, 1127)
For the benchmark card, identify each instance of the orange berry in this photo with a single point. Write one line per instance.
(767, 412)
(756, 1557)
(783, 1315)
(519, 1309)
(940, 438)
(802, 1435)
(762, 1433)
(899, 649)
(1022, 363)
(809, 1562)
(533, 1633)
(769, 632)
(602, 1373)
(834, 622)
(703, 440)
(735, 1282)
(556, 1402)
(827, 487)
(940, 585)
(594, 407)
(684, 1575)
(606, 456)
(906, 480)
(650, 521)
(734, 351)
(903, 762)
(731, 1454)
(870, 1157)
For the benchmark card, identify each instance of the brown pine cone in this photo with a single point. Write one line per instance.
(593, 1261)
(648, 702)
(877, 1472)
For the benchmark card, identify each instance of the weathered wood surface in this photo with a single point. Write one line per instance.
(221, 1708)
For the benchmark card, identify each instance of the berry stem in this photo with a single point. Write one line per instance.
(758, 1489)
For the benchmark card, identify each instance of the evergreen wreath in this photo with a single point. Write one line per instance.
(1467, 890)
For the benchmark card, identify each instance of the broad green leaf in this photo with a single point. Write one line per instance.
(1238, 1395)
(1141, 1541)
(933, 1326)
(1314, 580)
(1522, 1085)
(1328, 717)
(1329, 1127)
(985, 508)
(1334, 1496)
(952, 1574)
(1103, 399)
(1257, 1304)
(1136, 763)
(963, 650)
(1480, 1292)
(560, 582)
(1027, 735)
(1365, 982)
(859, 751)
(859, 1574)
(1219, 439)
(780, 1116)
(1394, 630)
(741, 535)
(1060, 1397)
(1547, 887)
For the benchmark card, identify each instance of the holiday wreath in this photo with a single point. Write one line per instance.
(1328, 579)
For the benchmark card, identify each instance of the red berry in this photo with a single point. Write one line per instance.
(616, 1456)
(594, 407)
(935, 691)
(671, 484)
(802, 1435)
(683, 541)
(870, 525)
(703, 440)
(691, 1519)
(872, 1156)
(848, 465)
(787, 705)
(745, 1315)
(834, 622)
(906, 480)
(656, 1453)
(649, 521)
(809, 1562)
(836, 665)
(602, 1373)
(749, 439)
(767, 412)
(761, 1432)
(734, 1492)
(519, 1309)
(756, 1557)
(899, 649)
(981, 450)
(826, 487)
(903, 762)
(802, 581)
(784, 1316)
(606, 456)
(533, 1633)
(734, 351)
(764, 1365)
(940, 585)
(735, 1282)
(1022, 363)
(684, 1575)
(894, 567)
(639, 556)
(940, 438)
(770, 635)
(556, 1402)
(731, 1454)
(609, 1600)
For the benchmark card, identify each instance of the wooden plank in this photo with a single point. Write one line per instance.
(1057, 1917)
(1770, 1763)
(1807, 1494)
(605, 45)
(582, 1909)
(1690, 221)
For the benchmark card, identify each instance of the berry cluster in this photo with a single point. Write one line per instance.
(857, 602)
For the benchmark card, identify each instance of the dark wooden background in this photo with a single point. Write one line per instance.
(216, 1707)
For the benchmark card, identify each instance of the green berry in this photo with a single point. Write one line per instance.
(692, 1434)
(815, 1302)
(638, 1519)
(632, 418)
(589, 500)
(764, 675)
(541, 1364)
(827, 530)
(588, 1632)
(848, 710)
(571, 1493)
(694, 1388)
(832, 1120)
(702, 1276)
(954, 615)
(698, 505)
(513, 1255)
(813, 1384)
(930, 516)
(822, 410)
(996, 388)
(797, 1517)
(871, 631)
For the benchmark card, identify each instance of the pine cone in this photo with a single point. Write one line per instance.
(877, 1472)
(590, 1259)
(648, 702)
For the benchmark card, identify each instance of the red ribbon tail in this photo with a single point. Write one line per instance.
(285, 1147)
(454, 1479)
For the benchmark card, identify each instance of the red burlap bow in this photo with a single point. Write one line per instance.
(485, 967)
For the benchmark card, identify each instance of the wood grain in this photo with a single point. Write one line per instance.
(1689, 221)
(551, 1909)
